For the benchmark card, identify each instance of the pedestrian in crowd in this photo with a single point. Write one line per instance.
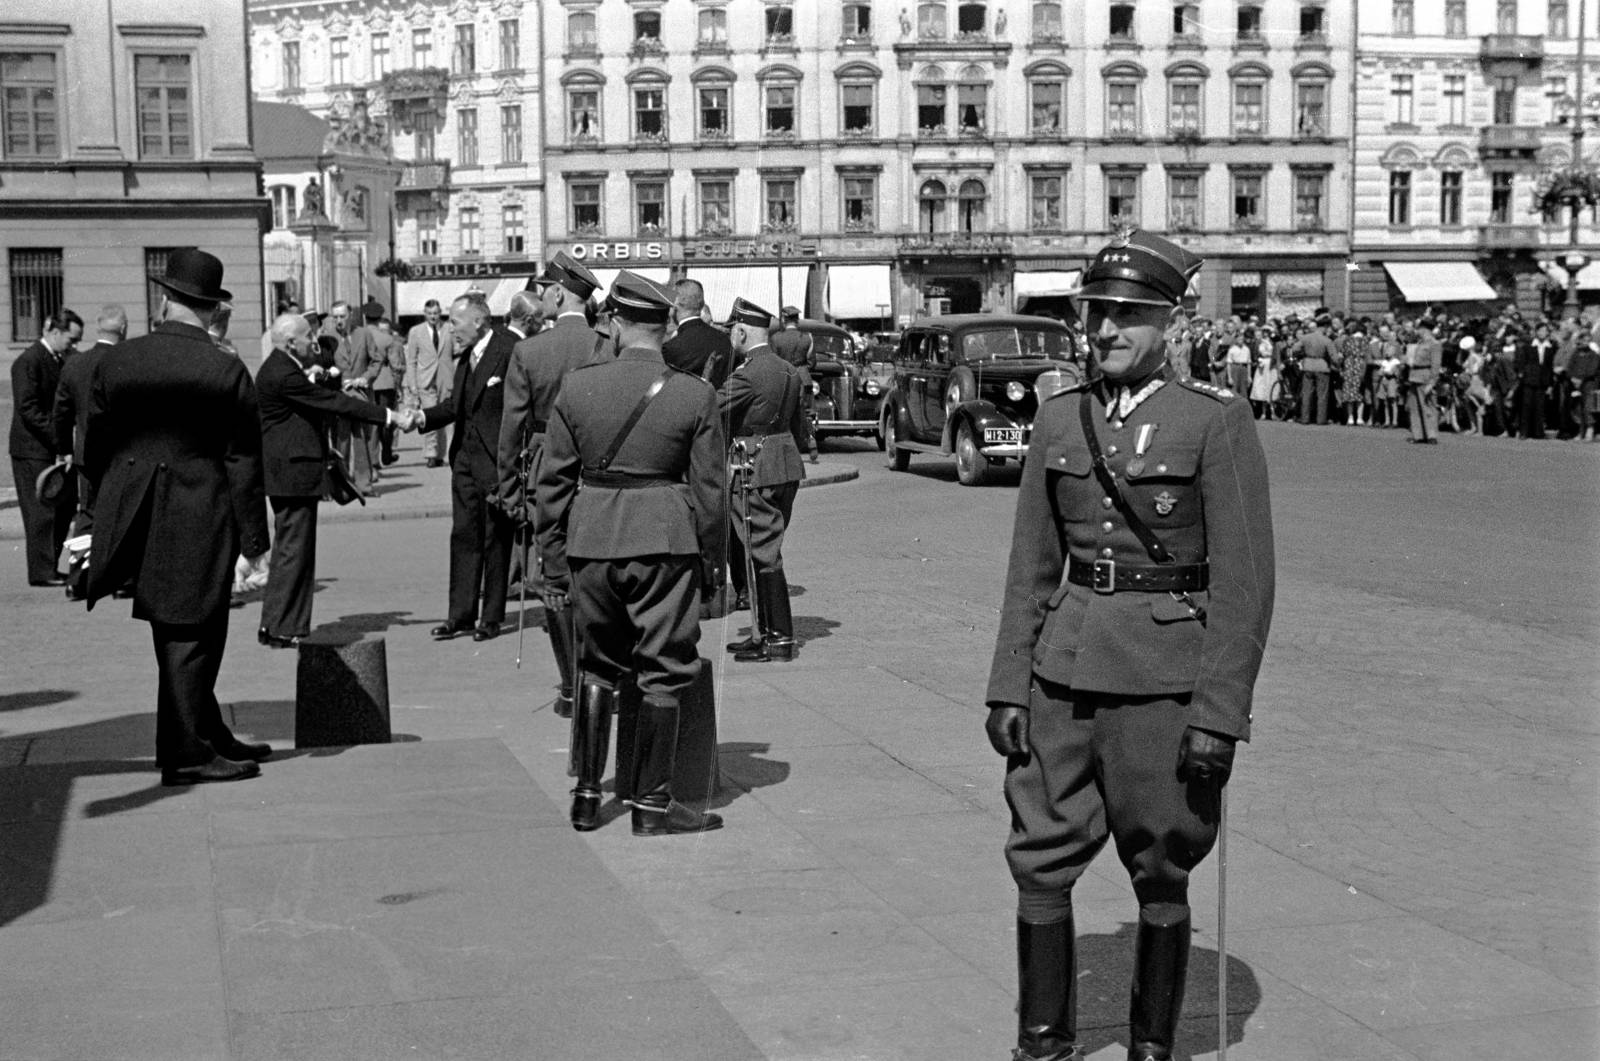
(428, 374)
(1352, 348)
(1180, 346)
(70, 411)
(761, 401)
(173, 450)
(796, 347)
(389, 356)
(35, 446)
(1476, 393)
(361, 359)
(1241, 355)
(1316, 354)
(294, 444)
(1583, 370)
(1535, 360)
(1200, 352)
(1137, 604)
(630, 499)
(697, 347)
(480, 533)
(1422, 373)
(1500, 374)
(525, 315)
(538, 367)
(1264, 385)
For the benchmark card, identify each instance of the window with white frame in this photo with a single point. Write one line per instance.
(650, 207)
(471, 221)
(1500, 188)
(932, 21)
(972, 207)
(1046, 20)
(932, 108)
(1311, 108)
(283, 205)
(779, 23)
(291, 64)
(860, 199)
(1248, 209)
(712, 23)
(1455, 99)
(930, 206)
(1122, 22)
(1455, 18)
(1402, 18)
(1122, 107)
(1556, 100)
(1247, 22)
(716, 206)
(972, 107)
(1046, 202)
(1399, 197)
(165, 107)
(380, 55)
(30, 109)
(1310, 201)
(467, 136)
(583, 113)
(1313, 21)
(647, 28)
(1402, 99)
(584, 200)
(1249, 106)
(1047, 103)
(1450, 198)
(857, 24)
(428, 233)
(1505, 16)
(650, 111)
(1186, 19)
(510, 44)
(1122, 199)
(511, 133)
(1183, 200)
(778, 108)
(338, 60)
(1184, 97)
(715, 121)
(421, 47)
(782, 198)
(856, 103)
(513, 232)
(464, 59)
(581, 35)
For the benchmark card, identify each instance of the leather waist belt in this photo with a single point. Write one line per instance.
(1110, 576)
(760, 430)
(624, 481)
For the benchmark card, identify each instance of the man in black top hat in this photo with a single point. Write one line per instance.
(173, 456)
(634, 547)
(1136, 609)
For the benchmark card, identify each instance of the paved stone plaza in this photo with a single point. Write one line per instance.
(1412, 854)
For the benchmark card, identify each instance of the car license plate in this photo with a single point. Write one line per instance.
(997, 435)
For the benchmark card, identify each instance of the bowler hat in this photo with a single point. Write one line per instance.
(50, 483)
(1140, 267)
(194, 274)
(748, 313)
(638, 298)
(570, 273)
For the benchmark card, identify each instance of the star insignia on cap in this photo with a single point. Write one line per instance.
(1116, 258)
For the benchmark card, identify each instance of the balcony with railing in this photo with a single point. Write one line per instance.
(959, 244)
(1514, 142)
(430, 176)
(1510, 237)
(1512, 47)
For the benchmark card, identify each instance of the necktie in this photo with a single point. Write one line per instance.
(434, 328)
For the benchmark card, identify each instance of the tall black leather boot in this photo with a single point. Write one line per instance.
(655, 748)
(760, 617)
(1161, 962)
(1047, 1002)
(591, 743)
(559, 626)
(777, 641)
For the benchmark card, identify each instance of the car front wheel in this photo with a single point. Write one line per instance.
(972, 467)
(899, 459)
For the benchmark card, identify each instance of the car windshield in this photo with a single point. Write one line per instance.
(831, 347)
(1002, 344)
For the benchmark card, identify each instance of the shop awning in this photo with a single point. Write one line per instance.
(500, 294)
(858, 291)
(1045, 284)
(1439, 281)
(758, 283)
(660, 274)
(1588, 276)
(411, 294)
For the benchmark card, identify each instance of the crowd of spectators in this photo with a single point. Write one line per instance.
(1507, 374)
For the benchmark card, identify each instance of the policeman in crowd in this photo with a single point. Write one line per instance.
(762, 401)
(796, 347)
(630, 509)
(1136, 610)
(539, 365)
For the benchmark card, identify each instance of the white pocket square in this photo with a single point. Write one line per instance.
(494, 381)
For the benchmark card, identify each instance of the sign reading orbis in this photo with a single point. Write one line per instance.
(619, 252)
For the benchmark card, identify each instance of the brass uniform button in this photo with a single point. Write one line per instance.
(1107, 526)
(1106, 553)
(1105, 502)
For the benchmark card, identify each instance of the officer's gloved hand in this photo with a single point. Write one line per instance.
(1205, 757)
(1008, 730)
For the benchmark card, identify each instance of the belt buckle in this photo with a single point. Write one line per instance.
(1105, 576)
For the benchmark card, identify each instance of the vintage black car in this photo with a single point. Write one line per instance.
(970, 384)
(847, 387)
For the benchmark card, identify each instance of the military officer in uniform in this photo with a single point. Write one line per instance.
(539, 365)
(761, 399)
(1137, 603)
(630, 507)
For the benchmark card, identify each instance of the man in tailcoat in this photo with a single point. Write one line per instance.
(294, 443)
(173, 453)
(480, 533)
(697, 348)
(1137, 603)
(35, 376)
(634, 548)
(428, 372)
(538, 367)
(762, 402)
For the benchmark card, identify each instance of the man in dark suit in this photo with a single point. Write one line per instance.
(796, 347)
(480, 532)
(633, 546)
(294, 445)
(537, 369)
(35, 376)
(173, 452)
(71, 416)
(697, 348)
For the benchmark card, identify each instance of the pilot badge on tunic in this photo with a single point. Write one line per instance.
(1164, 503)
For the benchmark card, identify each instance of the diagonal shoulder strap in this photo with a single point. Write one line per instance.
(633, 420)
(1141, 530)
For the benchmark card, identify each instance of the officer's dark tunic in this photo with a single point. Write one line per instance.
(1113, 679)
(762, 400)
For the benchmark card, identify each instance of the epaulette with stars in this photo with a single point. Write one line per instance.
(1210, 390)
(1076, 388)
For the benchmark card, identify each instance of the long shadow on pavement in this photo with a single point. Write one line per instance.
(35, 698)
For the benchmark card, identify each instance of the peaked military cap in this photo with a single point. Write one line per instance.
(638, 298)
(1140, 267)
(373, 310)
(570, 273)
(747, 312)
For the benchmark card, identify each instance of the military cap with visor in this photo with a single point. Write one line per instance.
(373, 310)
(639, 299)
(748, 313)
(567, 271)
(1140, 267)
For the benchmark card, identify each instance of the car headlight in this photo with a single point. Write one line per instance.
(872, 388)
(1015, 391)
(816, 388)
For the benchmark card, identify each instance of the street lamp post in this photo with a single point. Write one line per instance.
(1576, 259)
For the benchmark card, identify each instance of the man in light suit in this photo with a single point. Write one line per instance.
(427, 374)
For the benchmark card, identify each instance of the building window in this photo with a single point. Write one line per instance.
(1450, 198)
(780, 23)
(1183, 108)
(860, 204)
(714, 122)
(421, 47)
(1183, 201)
(464, 60)
(1186, 20)
(931, 20)
(857, 23)
(1504, 100)
(581, 37)
(782, 199)
(1121, 23)
(1311, 108)
(585, 199)
(513, 237)
(716, 207)
(338, 60)
(422, 140)
(511, 133)
(649, 113)
(857, 100)
(1046, 198)
(36, 290)
(380, 55)
(283, 205)
(1402, 18)
(1311, 21)
(1122, 200)
(931, 108)
(1400, 197)
(1401, 99)
(972, 204)
(1505, 16)
(467, 136)
(583, 104)
(1556, 25)
(1247, 208)
(161, 85)
(471, 230)
(1555, 95)
(972, 107)
(1310, 195)
(930, 207)
(1122, 108)
(1046, 20)
(1455, 99)
(1500, 197)
(1248, 22)
(291, 65)
(647, 28)
(510, 44)
(428, 233)
(780, 104)
(972, 19)
(650, 207)
(713, 23)
(28, 105)
(1047, 102)
(1455, 18)
(1249, 108)
(155, 267)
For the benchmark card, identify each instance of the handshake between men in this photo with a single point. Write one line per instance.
(407, 419)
